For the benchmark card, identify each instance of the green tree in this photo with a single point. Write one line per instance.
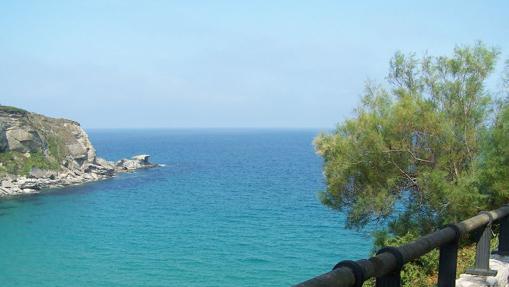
(495, 155)
(410, 155)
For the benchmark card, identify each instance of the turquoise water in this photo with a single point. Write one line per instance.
(230, 208)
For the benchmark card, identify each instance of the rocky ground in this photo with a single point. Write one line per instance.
(39, 179)
(39, 152)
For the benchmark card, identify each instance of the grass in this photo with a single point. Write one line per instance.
(56, 148)
(17, 163)
(11, 109)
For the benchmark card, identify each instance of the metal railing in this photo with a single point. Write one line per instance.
(386, 265)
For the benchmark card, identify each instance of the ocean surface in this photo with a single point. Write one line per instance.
(229, 208)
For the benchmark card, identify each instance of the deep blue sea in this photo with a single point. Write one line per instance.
(230, 208)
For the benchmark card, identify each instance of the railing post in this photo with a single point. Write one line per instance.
(503, 237)
(482, 252)
(389, 280)
(447, 262)
(386, 266)
(357, 271)
(392, 279)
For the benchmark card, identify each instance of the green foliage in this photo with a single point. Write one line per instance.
(21, 164)
(11, 109)
(415, 144)
(17, 163)
(419, 273)
(8, 163)
(39, 160)
(423, 272)
(495, 159)
(505, 79)
(428, 150)
(56, 148)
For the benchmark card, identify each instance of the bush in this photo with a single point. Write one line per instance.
(21, 164)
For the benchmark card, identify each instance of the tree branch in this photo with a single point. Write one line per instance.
(410, 152)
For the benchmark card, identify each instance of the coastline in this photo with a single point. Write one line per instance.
(40, 152)
(38, 180)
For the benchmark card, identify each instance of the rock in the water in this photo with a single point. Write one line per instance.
(136, 162)
(60, 148)
(104, 163)
(29, 190)
(99, 170)
(26, 183)
(58, 140)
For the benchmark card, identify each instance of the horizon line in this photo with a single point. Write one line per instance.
(208, 128)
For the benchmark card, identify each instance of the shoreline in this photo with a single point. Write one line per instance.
(39, 180)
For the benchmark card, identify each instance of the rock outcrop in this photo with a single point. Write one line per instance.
(39, 152)
(136, 162)
(497, 263)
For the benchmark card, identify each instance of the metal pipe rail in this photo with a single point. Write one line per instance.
(386, 265)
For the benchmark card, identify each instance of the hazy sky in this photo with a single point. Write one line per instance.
(220, 63)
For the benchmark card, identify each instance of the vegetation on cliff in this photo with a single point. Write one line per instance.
(428, 149)
(11, 109)
(17, 163)
(39, 152)
(29, 141)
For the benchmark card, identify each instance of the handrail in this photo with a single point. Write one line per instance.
(386, 265)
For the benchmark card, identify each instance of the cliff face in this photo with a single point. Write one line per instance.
(38, 152)
(61, 143)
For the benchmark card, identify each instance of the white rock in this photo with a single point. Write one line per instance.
(498, 263)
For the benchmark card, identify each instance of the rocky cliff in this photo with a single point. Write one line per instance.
(38, 152)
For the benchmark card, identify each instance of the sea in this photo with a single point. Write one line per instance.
(228, 207)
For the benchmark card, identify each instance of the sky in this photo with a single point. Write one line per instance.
(221, 64)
